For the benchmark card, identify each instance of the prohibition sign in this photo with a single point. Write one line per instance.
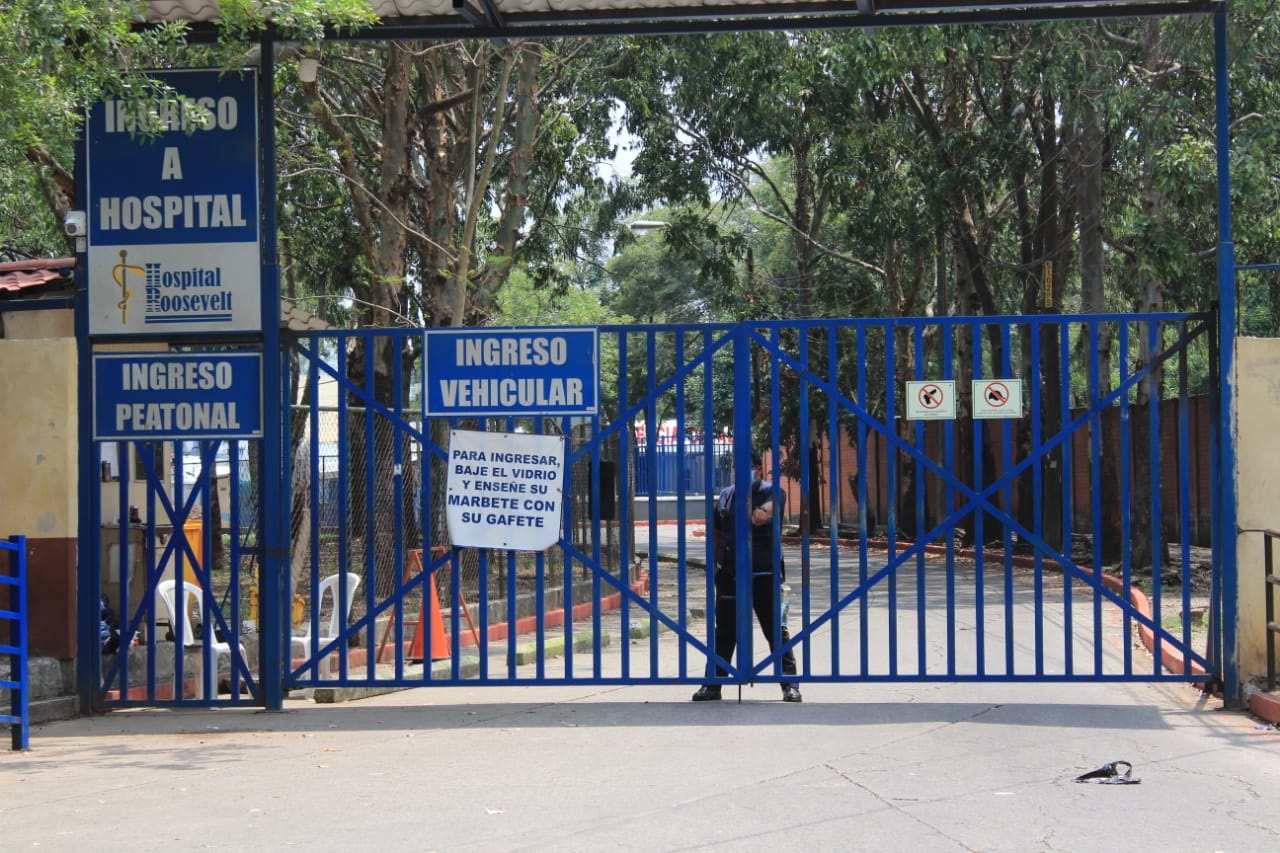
(997, 398)
(996, 395)
(930, 396)
(931, 400)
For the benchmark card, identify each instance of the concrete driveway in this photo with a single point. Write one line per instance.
(855, 767)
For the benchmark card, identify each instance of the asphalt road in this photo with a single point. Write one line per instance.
(930, 766)
(921, 767)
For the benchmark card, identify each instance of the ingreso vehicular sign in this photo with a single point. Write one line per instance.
(148, 396)
(480, 372)
(504, 490)
(172, 217)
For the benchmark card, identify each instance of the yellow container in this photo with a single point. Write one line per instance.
(193, 532)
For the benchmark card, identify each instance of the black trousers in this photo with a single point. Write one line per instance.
(764, 600)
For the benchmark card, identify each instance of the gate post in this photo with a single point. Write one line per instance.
(273, 520)
(1225, 534)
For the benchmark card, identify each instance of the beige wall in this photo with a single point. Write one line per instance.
(39, 463)
(38, 453)
(26, 325)
(1257, 400)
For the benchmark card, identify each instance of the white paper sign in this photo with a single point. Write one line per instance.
(505, 490)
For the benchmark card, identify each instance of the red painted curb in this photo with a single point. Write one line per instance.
(358, 657)
(1265, 706)
(501, 630)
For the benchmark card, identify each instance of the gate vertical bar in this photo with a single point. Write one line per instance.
(1034, 386)
(315, 481)
(1224, 550)
(682, 503)
(1155, 335)
(626, 502)
(272, 515)
(1126, 465)
(774, 475)
(1096, 444)
(833, 526)
(400, 555)
(919, 356)
(743, 412)
(710, 465)
(806, 467)
(1183, 469)
(979, 514)
(947, 356)
(1068, 478)
(864, 617)
(891, 477)
(1005, 369)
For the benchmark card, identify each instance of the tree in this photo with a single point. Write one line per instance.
(59, 57)
(436, 164)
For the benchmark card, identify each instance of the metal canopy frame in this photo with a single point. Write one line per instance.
(418, 19)
(491, 19)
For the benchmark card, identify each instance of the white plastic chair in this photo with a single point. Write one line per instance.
(302, 644)
(206, 680)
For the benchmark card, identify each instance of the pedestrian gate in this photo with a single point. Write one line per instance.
(967, 499)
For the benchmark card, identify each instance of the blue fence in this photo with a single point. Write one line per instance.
(976, 518)
(673, 468)
(13, 612)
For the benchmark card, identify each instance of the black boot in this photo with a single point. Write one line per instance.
(707, 693)
(791, 693)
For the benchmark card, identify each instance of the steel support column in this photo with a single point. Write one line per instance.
(1225, 534)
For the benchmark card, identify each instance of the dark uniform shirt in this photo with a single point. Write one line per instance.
(762, 550)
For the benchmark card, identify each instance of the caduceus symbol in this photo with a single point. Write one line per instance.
(120, 272)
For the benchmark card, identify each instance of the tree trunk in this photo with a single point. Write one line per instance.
(1093, 301)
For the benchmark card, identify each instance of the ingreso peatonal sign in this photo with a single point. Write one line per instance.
(172, 217)
(481, 372)
(156, 396)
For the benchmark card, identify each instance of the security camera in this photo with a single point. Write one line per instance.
(74, 224)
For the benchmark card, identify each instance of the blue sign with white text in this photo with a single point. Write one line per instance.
(483, 372)
(167, 395)
(172, 215)
(192, 181)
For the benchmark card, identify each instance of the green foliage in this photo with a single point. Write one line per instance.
(522, 303)
(57, 57)
(27, 230)
(297, 20)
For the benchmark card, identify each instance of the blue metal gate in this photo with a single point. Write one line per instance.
(982, 567)
(173, 595)
(1048, 529)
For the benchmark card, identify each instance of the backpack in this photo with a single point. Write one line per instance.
(108, 628)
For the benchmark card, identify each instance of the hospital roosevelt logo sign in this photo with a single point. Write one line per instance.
(195, 295)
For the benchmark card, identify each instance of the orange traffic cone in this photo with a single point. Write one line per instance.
(439, 642)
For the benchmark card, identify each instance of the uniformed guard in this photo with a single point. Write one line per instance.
(766, 498)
